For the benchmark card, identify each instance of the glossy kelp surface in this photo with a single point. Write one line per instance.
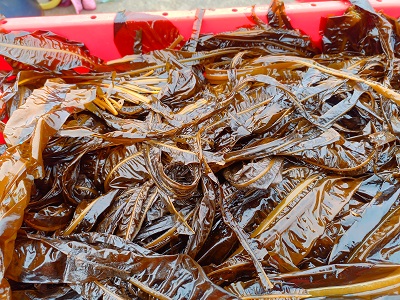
(247, 164)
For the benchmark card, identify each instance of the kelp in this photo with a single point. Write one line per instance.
(113, 260)
(43, 290)
(43, 50)
(388, 192)
(246, 165)
(15, 189)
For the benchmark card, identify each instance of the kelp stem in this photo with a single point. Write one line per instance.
(388, 282)
(272, 296)
(148, 290)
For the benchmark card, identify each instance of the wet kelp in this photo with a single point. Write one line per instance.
(247, 164)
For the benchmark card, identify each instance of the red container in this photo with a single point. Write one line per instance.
(97, 31)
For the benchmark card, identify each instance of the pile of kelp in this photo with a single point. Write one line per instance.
(247, 164)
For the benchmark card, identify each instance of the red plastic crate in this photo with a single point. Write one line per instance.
(97, 31)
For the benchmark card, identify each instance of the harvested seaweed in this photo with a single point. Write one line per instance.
(253, 166)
